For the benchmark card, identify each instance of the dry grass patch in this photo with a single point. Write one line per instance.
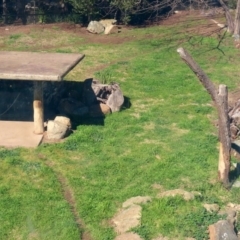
(178, 131)
(149, 126)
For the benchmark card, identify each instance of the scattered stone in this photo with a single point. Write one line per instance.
(172, 193)
(56, 130)
(211, 207)
(128, 236)
(222, 230)
(136, 200)
(127, 219)
(95, 27)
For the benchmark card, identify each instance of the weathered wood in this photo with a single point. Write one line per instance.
(221, 101)
(203, 78)
(224, 136)
(38, 117)
(237, 21)
(230, 22)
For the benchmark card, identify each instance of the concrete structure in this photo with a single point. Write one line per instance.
(36, 67)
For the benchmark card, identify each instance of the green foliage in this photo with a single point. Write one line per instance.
(104, 76)
(88, 9)
(196, 222)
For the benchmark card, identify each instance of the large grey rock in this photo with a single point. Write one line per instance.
(115, 100)
(222, 230)
(109, 94)
(56, 130)
(95, 27)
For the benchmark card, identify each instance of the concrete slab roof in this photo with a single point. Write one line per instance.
(37, 65)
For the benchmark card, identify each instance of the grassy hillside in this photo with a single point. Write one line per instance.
(164, 136)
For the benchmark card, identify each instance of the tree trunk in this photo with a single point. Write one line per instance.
(228, 16)
(221, 100)
(237, 22)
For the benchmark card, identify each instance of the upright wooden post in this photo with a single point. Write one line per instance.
(220, 98)
(38, 117)
(224, 136)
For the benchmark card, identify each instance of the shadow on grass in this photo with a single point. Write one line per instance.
(17, 101)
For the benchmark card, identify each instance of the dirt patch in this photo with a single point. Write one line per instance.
(124, 32)
(82, 32)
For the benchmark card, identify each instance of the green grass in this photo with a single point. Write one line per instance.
(164, 135)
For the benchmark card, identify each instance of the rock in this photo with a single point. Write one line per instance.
(99, 110)
(172, 193)
(115, 100)
(64, 120)
(110, 29)
(107, 22)
(236, 207)
(127, 219)
(128, 236)
(222, 230)
(231, 215)
(136, 200)
(56, 130)
(95, 27)
(211, 207)
(110, 94)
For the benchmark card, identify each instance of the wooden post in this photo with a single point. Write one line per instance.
(230, 22)
(224, 136)
(220, 99)
(38, 117)
(237, 22)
